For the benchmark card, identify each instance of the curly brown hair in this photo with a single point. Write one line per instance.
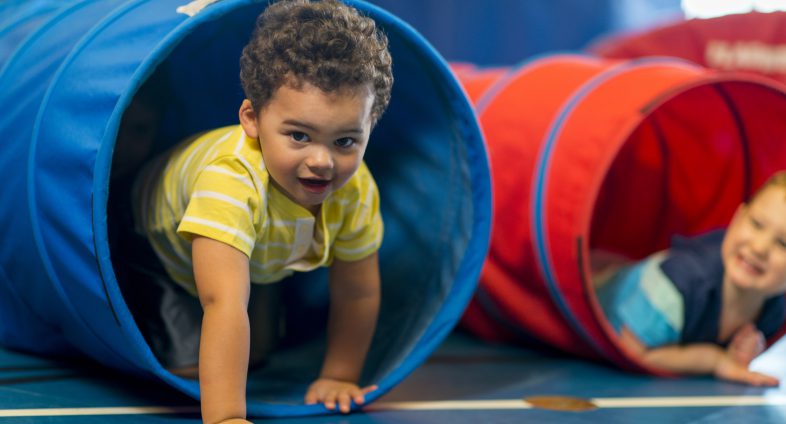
(325, 43)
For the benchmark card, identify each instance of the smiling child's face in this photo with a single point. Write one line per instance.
(312, 142)
(754, 248)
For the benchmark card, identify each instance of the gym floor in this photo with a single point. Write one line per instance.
(464, 381)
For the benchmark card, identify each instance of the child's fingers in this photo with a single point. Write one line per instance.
(344, 402)
(761, 342)
(359, 398)
(753, 378)
(337, 396)
(311, 397)
(368, 389)
(759, 379)
(360, 394)
(323, 395)
(330, 399)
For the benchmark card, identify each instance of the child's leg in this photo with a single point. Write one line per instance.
(168, 317)
(264, 316)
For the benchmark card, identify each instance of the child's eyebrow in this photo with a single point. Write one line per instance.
(301, 124)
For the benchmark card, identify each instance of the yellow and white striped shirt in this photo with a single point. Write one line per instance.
(215, 185)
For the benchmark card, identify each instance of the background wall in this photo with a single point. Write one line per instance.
(488, 32)
(505, 32)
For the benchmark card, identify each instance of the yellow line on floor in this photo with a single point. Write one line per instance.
(121, 410)
(501, 404)
(688, 401)
(632, 402)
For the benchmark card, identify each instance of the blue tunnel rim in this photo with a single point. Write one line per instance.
(465, 276)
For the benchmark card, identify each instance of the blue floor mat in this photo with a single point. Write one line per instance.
(465, 381)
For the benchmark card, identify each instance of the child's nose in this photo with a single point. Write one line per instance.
(319, 158)
(760, 245)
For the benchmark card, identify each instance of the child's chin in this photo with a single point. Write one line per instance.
(312, 204)
(748, 284)
(740, 279)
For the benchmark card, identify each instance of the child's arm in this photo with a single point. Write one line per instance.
(354, 305)
(222, 278)
(697, 358)
(604, 264)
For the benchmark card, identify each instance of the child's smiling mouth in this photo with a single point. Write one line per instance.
(314, 185)
(750, 266)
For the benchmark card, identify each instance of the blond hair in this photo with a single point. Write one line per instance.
(777, 179)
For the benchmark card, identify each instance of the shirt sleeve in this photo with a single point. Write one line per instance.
(362, 228)
(223, 205)
(642, 299)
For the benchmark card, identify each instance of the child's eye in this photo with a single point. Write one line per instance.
(756, 223)
(299, 136)
(781, 243)
(345, 142)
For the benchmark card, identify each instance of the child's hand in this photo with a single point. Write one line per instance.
(746, 344)
(336, 392)
(728, 368)
(235, 421)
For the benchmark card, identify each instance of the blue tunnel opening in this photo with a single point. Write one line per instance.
(426, 154)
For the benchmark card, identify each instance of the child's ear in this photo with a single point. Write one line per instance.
(248, 119)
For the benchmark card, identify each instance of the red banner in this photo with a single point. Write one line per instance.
(750, 42)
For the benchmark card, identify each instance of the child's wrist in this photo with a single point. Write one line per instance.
(338, 378)
(340, 374)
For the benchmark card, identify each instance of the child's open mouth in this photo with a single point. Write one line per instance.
(314, 185)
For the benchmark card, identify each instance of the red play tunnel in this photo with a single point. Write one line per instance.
(620, 155)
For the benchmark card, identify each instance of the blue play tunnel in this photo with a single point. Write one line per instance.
(63, 91)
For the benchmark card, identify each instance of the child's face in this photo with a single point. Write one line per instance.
(754, 248)
(312, 141)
